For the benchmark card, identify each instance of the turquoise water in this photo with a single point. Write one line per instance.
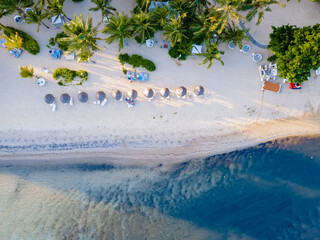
(271, 191)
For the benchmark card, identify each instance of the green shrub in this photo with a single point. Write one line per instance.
(149, 65)
(124, 71)
(52, 41)
(136, 61)
(273, 58)
(77, 0)
(62, 45)
(123, 58)
(68, 76)
(29, 44)
(173, 52)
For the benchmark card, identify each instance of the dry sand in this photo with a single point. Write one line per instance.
(234, 113)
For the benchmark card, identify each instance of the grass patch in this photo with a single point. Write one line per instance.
(67, 77)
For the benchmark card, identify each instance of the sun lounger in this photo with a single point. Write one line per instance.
(273, 87)
(16, 52)
(70, 57)
(143, 77)
(45, 70)
(2, 42)
(55, 53)
(71, 101)
(53, 107)
(104, 102)
(131, 76)
(273, 72)
(263, 71)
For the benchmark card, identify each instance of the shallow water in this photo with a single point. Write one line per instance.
(271, 191)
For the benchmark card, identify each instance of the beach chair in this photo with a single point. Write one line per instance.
(45, 70)
(263, 71)
(131, 76)
(269, 86)
(70, 57)
(53, 107)
(16, 52)
(143, 77)
(104, 102)
(2, 42)
(55, 53)
(273, 72)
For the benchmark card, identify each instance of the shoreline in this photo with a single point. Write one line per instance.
(204, 146)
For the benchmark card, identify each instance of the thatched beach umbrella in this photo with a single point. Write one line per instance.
(117, 95)
(148, 93)
(65, 98)
(164, 92)
(83, 97)
(198, 90)
(133, 94)
(100, 95)
(181, 91)
(49, 99)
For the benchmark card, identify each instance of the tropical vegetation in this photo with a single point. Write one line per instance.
(137, 61)
(81, 37)
(66, 76)
(28, 43)
(36, 16)
(104, 7)
(26, 72)
(8, 7)
(14, 41)
(118, 29)
(296, 51)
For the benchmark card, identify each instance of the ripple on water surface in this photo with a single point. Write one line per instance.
(271, 191)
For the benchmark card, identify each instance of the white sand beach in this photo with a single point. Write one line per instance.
(233, 113)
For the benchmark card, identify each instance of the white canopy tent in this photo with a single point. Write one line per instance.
(196, 49)
(57, 21)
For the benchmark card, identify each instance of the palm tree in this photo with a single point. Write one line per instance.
(26, 72)
(8, 7)
(182, 6)
(143, 25)
(55, 8)
(233, 33)
(174, 29)
(14, 41)
(200, 4)
(225, 11)
(36, 16)
(262, 5)
(104, 6)
(81, 37)
(40, 3)
(143, 5)
(161, 15)
(212, 54)
(201, 28)
(119, 28)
